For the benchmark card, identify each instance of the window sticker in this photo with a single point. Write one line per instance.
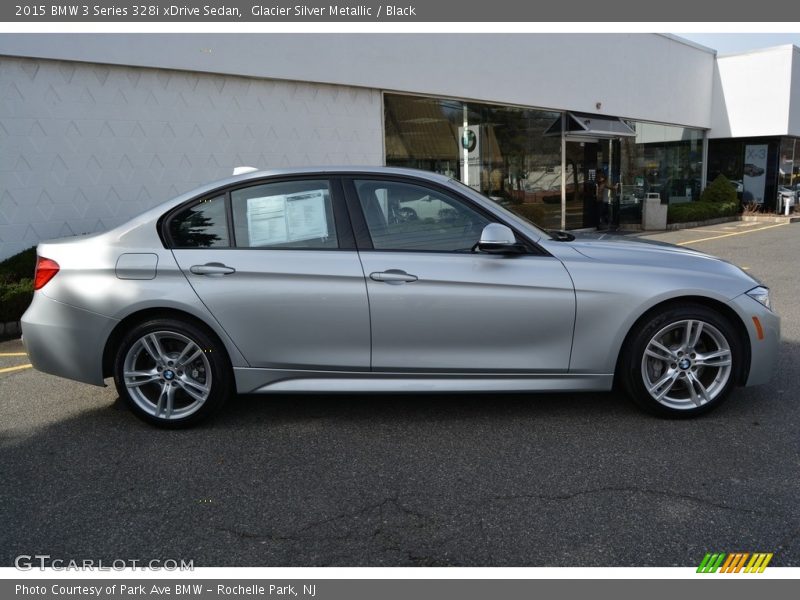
(273, 220)
(305, 216)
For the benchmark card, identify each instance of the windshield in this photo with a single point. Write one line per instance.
(511, 216)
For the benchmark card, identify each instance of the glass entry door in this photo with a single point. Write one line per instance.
(586, 159)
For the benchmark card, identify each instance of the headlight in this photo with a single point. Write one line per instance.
(761, 295)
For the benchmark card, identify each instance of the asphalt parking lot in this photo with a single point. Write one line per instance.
(513, 480)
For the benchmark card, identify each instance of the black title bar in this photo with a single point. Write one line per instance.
(401, 11)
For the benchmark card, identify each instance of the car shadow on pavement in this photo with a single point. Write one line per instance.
(413, 408)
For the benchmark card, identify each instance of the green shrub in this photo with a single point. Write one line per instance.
(718, 191)
(18, 267)
(16, 284)
(700, 211)
(14, 299)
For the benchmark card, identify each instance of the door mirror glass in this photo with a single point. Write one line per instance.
(499, 239)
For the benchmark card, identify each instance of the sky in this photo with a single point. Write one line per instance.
(726, 43)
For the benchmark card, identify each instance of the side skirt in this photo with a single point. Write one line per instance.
(264, 381)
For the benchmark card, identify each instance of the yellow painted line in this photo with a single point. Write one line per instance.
(716, 237)
(17, 368)
(13, 354)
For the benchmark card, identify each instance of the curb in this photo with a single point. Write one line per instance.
(693, 224)
(770, 218)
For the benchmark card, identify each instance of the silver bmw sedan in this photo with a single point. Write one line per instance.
(385, 280)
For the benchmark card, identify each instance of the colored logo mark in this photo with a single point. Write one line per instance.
(735, 562)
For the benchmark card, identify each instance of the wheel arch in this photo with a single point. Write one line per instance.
(146, 314)
(742, 370)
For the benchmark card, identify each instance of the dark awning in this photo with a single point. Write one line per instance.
(596, 126)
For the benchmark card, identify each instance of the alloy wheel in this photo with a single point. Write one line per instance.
(167, 375)
(686, 364)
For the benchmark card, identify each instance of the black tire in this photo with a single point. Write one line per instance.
(685, 375)
(164, 392)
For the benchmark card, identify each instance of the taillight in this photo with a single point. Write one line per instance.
(46, 269)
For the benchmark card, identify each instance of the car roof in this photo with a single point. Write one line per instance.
(331, 170)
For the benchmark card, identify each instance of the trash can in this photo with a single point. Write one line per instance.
(654, 213)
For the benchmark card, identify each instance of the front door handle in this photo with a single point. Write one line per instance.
(393, 276)
(212, 269)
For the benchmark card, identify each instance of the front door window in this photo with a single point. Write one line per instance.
(403, 216)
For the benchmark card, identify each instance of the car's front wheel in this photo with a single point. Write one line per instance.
(171, 373)
(682, 361)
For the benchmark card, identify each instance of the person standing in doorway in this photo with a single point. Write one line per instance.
(604, 191)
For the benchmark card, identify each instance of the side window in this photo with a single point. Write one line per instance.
(202, 225)
(403, 216)
(289, 214)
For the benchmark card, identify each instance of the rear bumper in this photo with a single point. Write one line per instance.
(764, 347)
(64, 340)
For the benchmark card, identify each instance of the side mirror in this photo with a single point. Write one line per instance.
(499, 239)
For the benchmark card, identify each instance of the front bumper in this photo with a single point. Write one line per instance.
(64, 340)
(764, 346)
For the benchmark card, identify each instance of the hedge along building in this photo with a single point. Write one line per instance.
(97, 128)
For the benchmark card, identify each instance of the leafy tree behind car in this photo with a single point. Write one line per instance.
(16, 284)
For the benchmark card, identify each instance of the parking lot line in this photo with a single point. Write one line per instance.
(17, 368)
(716, 237)
(13, 354)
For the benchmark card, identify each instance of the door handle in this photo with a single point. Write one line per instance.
(393, 276)
(212, 269)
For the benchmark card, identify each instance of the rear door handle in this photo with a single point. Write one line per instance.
(393, 276)
(212, 269)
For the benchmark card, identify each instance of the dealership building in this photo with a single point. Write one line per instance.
(95, 128)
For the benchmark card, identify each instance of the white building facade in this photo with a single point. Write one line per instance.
(96, 128)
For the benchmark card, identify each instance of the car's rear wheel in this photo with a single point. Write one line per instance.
(171, 373)
(682, 361)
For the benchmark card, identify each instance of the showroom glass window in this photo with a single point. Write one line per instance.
(661, 159)
(286, 215)
(726, 157)
(789, 165)
(507, 153)
(756, 181)
(501, 151)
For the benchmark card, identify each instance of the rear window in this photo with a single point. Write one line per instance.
(203, 225)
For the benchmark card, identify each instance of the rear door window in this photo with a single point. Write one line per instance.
(284, 215)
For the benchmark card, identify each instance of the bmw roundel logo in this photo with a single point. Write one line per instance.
(469, 140)
(168, 375)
